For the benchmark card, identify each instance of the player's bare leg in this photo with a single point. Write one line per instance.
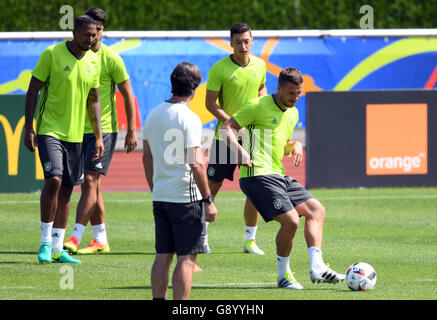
(284, 241)
(59, 225)
(48, 205)
(289, 222)
(251, 215)
(314, 214)
(85, 208)
(183, 277)
(251, 219)
(98, 216)
(88, 198)
(49, 199)
(159, 275)
(214, 187)
(63, 208)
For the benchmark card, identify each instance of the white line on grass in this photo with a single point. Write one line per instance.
(233, 284)
(426, 280)
(383, 197)
(8, 288)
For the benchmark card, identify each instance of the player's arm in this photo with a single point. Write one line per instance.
(197, 165)
(213, 107)
(93, 108)
(130, 141)
(228, 133)
(29, 110)
(148, 163)
(295, 150)
(262, 91)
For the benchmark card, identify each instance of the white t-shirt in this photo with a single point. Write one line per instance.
(170, 129)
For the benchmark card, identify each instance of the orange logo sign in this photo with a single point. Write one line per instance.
(396, 139)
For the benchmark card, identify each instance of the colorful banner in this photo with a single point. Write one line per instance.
(20, 169)
(328, 64)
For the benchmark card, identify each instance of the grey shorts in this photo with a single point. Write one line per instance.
(179, 227)
(61, 159)
(274, 194)
(89, 145)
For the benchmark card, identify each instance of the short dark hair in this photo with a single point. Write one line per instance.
(83, 20)
(184, 79)
(240, 28)
(97, 14)
(290, 75)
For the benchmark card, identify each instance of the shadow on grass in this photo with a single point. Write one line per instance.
(220, 287)
(100, 254)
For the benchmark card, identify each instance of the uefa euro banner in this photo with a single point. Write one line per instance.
(330, 61)
(385, 138)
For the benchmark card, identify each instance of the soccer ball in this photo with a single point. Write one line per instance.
(360, 276)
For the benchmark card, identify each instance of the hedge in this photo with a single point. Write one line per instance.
(43, 15)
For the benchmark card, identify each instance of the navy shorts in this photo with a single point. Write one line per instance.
(179, 227)
(222, 162)
(89, 144)
(273, 195)
(61, 159)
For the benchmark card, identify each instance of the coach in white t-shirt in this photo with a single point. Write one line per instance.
(176, 174)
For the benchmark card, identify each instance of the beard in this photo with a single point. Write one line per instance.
(84, 48)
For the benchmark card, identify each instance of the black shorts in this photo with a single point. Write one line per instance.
(222, 162)
(274, 194)
(179, 227)
(89, 145)
(61, 159)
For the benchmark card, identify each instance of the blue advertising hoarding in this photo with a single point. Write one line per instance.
(335, 63)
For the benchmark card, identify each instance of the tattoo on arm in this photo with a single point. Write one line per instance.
(93, 108)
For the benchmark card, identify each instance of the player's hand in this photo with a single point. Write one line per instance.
(30, 139)
(244, 159)
(130, 141)
(296, 154)
(100, 149)
(210, 212)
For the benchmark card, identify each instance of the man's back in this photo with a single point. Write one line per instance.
(170, 129)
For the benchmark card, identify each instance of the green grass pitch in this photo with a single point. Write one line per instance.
(393, 229)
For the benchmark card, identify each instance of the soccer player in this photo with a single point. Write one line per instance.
(175, 172)
(234, 80)
(67, 74)
(269, 123)
(91, 206)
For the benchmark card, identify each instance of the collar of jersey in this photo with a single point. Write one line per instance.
(230, 57)
(279, 107)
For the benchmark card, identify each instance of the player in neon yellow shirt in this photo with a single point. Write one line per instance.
(269, 123)
(233, 81)
(91, 206)
(68, 76)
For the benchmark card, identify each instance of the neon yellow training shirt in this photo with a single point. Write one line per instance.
(268, 128)
(63, 100)
(113, 72)
(236, 84)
